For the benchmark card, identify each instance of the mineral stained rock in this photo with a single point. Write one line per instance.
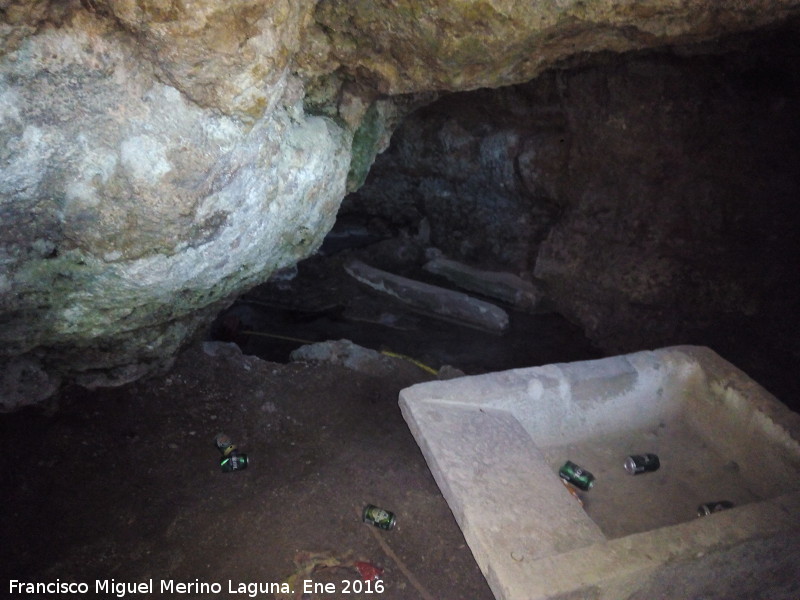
(156, 158)
(405, 46)
(129, 212)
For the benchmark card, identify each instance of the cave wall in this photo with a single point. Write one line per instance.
(484, 168)
(159, 157)
(655, 196)
(132, 214)
(405, 46)
(682, 189)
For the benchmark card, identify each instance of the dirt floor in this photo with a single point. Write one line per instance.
(125, 484)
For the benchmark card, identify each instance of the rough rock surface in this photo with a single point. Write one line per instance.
(681, 194)
(655, 196)
(129, 212)
(345, 353)
(403, 46)
(233, 56)
(159, 157)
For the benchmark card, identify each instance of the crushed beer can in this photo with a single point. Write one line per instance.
(232, 459)
(233, 462)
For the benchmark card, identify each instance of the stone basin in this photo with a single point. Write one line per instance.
(495, 442)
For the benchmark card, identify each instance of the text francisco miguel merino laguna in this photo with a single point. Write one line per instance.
(164, 586)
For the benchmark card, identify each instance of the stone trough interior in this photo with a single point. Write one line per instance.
(694, 473)
(713, 442)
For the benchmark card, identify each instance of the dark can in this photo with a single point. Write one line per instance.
(378, 516)
(711, 507)
(233, 462)
(642, 463)
(577, 476)
(224, 444)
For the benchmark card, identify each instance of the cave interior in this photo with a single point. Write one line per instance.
(650, 197)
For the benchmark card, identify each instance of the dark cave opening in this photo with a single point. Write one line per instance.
(651, 196)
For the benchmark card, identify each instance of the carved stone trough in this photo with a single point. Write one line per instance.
(495, 442)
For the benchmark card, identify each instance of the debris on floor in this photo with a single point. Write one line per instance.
(636, 464)
(401, 565)
(367, 570)
(506, 287)
(231, 460)
(711, 507)
(571, 489)
(380, 517)
(577, 476)
(153, 503)
(320, 574)
(345, 353)
(430, 299)
(319, 301)
(414, 361)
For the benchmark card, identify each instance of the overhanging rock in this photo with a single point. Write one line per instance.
(160, 158)
(130, 214)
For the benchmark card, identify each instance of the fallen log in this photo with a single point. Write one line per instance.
(430, 299)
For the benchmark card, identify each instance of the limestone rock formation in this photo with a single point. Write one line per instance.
(652, 195)
(130, 212)
(158, 157)
(681, 188)
(403, 46)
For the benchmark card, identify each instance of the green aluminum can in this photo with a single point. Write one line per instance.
(378, 516)
(577, 476)
(233, 462)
